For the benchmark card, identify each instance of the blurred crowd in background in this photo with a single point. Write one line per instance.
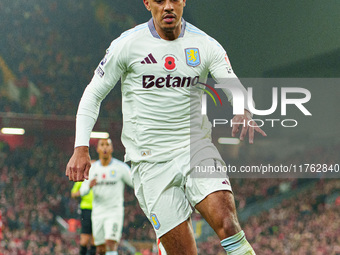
(42, 67)
(303, 225)
(34, 192)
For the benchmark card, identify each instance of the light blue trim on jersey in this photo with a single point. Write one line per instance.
(128, 33)
(195, 32)
(133, 30)
(192, 29)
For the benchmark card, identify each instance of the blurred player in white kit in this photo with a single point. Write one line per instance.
(107, 178)
(161, 64)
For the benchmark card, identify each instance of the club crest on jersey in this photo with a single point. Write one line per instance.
(113, 173)
(155, 221)
(193, 57)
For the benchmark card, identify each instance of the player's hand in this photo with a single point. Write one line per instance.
(93, 183)
(246, 119)
(79, 164)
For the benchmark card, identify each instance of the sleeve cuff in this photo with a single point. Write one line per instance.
(84, 126)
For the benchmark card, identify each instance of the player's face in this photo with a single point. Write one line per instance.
(104, 148)
(167, 14)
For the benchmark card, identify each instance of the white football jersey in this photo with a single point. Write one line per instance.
(108, 193)
(161, 102)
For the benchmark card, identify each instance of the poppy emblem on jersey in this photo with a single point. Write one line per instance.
(155, 221)
(193, 57)
(170, 62)
(113, 173)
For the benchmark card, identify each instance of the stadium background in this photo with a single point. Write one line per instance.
(48, 51)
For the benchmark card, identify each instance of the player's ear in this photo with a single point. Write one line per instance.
(184, 3)
(147, 4)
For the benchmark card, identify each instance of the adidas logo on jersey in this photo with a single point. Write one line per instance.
(149, 60)
(225, 182)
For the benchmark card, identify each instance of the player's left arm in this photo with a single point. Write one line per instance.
(222, 72)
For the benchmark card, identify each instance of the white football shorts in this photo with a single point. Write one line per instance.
(166, 190)
(108, 228)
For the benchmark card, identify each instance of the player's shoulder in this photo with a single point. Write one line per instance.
(95, 163)
(193, 31)
(130, 35)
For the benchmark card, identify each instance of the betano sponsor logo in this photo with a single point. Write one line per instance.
(169, 81)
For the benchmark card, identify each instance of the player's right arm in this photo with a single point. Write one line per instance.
(105, 77)
(221, 70)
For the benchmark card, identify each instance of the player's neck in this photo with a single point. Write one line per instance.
(105, 161)
(169, 35)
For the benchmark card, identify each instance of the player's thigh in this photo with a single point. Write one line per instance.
(159, 188)
(113, 227)
(212, 196)
(198, 187)
(98, 230)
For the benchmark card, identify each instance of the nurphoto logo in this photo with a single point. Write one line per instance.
(242, 101)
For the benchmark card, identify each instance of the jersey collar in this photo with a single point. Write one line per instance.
(156, 35)
(100, 163)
